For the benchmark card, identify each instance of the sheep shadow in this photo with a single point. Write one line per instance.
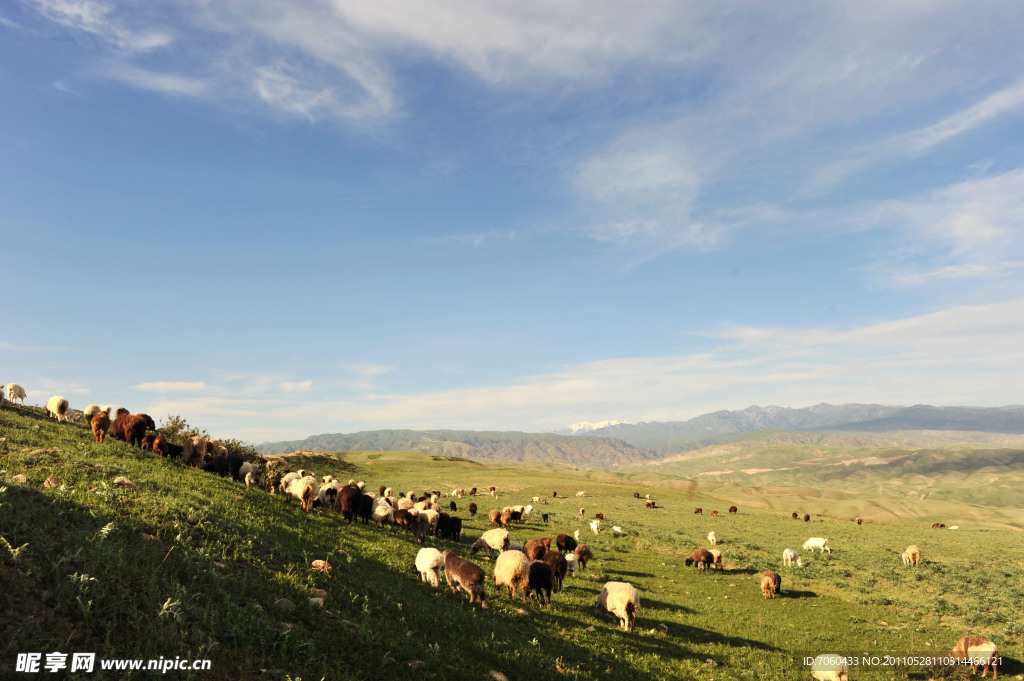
(789, 593)
(627, 573)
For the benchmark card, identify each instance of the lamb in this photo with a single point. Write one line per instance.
(160, 445)
(622, 600)
(914, 554)
(429, 563)
(565, 543)
(789, 556)
(15, 392)
(906, 558)
(978, 652)
(771, 583)
(100, 424)
(512, 571)
(58, 408)
(716, 559)
(713, 538)
(493, 540)
(817, 543)
(535, 549)
(542, 578)
(595, 526)
(559, 566)
(571, 563)
(147, 441)
(462, 573)
(830, 668)
(249, 472)
(583, 555)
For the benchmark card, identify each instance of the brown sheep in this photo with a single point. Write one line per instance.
(807, 518)
(559, 567)
(733, 509)
(100, 425)
(350, 501)
(554, 494)
(796, 516)
(702, 558)
(979, 652)
(771, 583)
(472, 508)
(698, 511)
(583, 555)
(565, 543)
(135, 429)
(147, 441)
(150, 423)
(714, 513)
(403, 519)
(599, 516)
(546, 541)
(936, 526)
(160, 447)
(459, 572)
(636, 495)
(541, 580)
(534, 549)
(506, 519)
(858, 520)
(495, 517)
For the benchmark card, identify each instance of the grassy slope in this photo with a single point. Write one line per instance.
(204, 587)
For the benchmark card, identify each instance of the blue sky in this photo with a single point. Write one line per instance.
(286, 218)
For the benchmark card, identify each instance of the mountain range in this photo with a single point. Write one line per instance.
(625, 443)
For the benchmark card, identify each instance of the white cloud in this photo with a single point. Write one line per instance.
(166, 83)
(97, 18)
(296, 386)
(172, 386)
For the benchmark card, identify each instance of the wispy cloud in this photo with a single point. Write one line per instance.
(172, 386)
(296, 386)
(98, 19)
(166, 83)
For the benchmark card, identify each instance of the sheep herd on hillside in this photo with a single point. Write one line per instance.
(523, 570)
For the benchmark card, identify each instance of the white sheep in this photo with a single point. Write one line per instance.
(819, 543)
(914, 554)
(433, 517)
(595, 526)
(304, 489)
(906, 558)
(383, 512)
(536, 499)
(15, 392)
(58, 408)
(91, 411)
(789, 556)
(581, 493)
(404, 504)
(617, 531)
(620, 599)
(250, 473)
(571, 562)
(716, 559)
(328, 494)
(528, 510)
(830, 667)
(495, 540)
(713, 538)
(512, 570)
(577, 535)
(429, 563)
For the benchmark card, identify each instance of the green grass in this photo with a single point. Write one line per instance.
(190, 565)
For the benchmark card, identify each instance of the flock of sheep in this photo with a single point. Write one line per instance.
(530, 569)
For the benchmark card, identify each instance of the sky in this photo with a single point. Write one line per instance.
(278, 219)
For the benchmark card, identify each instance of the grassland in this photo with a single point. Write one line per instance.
(191, 565)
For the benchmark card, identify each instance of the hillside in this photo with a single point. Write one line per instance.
(504, 446)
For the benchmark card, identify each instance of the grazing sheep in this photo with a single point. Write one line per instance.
(515, 516)
(151, 425)
(15, 392)
(571, 563)
(536, 500)
(91, 411)
(936, 526)
(906, 558)
(796, 516)
(583, 555)
(789, 556)
(455, 528)
(160, 445)
(429, 563)
(716, 559)
(576, 535)
(303, 489)
(914, 554)
(581, 493)
(617, 531)
(714, 513)
(771, 583)
(554, 494)
(403, 519)
(733, 509)
(702, 558)
(384, 513)
(433, 517)
(978, 652)
(858, 520)
(698, 511)
(512, 571)
(472, 492)
(459, 572)
(582, 511)
(807, 518)
(58, 408)
(147, 441)
(495, 517)
(404, 504)
(134, 429)
(599, 516)
(495, 541)
(713, 538)
(830, 668)
(559, 567)
(622, 600)
(506, 519)
(248, 471)
(100, 424)
(595, 526)
(544, 517)
(194, 449)
(636, 495)
(535, 549)
(328, 495)
(453, 507)
(648, 504)
(819, 543)
(542, 578)
(472, 509)
(349, 501)
(565, 543)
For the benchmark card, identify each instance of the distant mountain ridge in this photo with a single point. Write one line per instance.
(625, 443)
